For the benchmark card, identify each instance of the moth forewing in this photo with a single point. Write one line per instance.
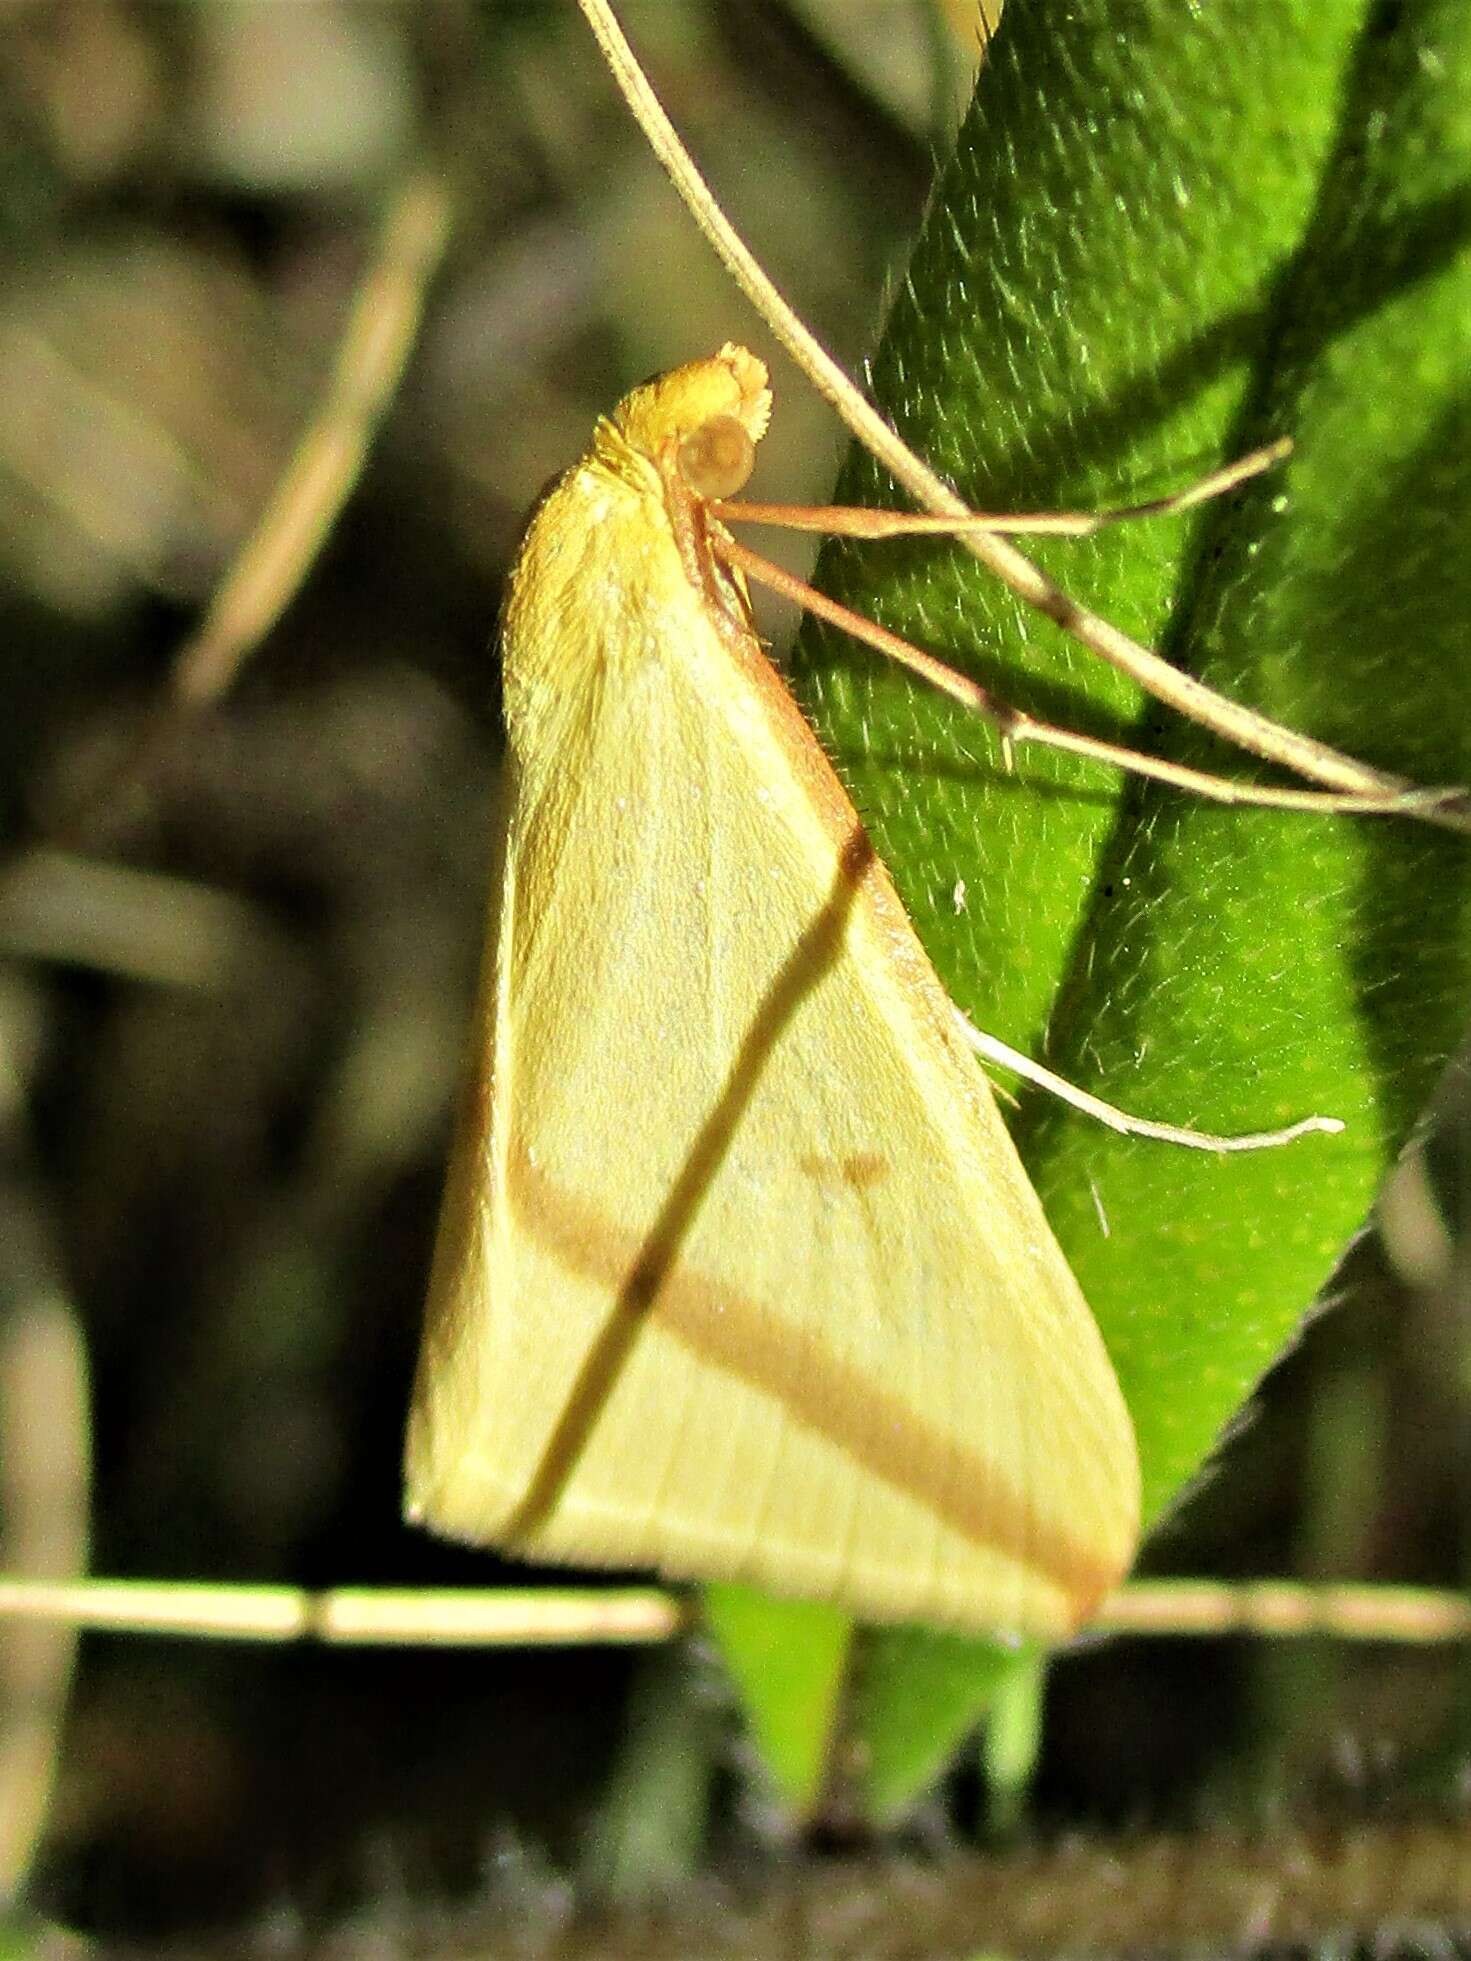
(739, 1275)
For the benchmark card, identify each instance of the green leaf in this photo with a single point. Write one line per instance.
(1166, 235)
(1013, 1740)
(908, 1684)
(788, 1659)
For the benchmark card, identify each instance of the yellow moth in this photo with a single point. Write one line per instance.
(738, 1274)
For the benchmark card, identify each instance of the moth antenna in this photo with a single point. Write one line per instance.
(856, 521)
(1016, 726)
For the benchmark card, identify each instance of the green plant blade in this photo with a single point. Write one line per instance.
(917, 1691)
(1140, 260)
(788, 1660)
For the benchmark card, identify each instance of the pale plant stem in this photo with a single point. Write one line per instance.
(370, 357)
(270, 565)
(352, 1616)
(1341, 1612)
(575, 1616)
(1236, 723)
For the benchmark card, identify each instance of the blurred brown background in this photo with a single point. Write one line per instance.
(233, 989)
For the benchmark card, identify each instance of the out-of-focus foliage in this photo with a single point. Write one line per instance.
(229, 1072)
(227, 1080)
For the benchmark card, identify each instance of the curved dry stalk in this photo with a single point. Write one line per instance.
(270, 566)
(375, 344)
(1256, 733)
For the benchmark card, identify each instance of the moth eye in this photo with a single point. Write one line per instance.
(717, 459)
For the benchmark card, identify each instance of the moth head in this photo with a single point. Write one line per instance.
(709, 415)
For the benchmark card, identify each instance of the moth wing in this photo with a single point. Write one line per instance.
(739, 1275)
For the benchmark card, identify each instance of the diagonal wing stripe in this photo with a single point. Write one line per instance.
(723, 1328)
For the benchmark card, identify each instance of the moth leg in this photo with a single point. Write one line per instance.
(1448, 806)
(994, 1050)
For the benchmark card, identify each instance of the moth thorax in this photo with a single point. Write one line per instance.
(716, 459)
